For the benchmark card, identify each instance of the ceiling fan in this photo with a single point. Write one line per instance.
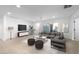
(67, 6)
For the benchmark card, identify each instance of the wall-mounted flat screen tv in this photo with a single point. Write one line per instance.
(22, 27)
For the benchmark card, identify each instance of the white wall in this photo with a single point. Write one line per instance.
(13, 22)
(1, 27)
(75, 17)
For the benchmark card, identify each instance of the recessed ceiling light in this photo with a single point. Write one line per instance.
(18, 6)
(9, 13)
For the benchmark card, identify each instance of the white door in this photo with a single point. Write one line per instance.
(77, 29)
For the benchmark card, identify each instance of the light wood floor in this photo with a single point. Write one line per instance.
(20, 46)
(72, 47)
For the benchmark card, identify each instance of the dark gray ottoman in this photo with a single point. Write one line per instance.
(39, 44)
(31, 41)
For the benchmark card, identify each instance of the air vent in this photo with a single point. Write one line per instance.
(67, 6)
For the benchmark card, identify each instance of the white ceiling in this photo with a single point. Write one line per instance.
(38, 12)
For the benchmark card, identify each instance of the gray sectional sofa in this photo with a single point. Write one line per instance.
(59, 43)
(57, 40)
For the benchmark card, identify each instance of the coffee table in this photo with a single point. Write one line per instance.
(43, 38)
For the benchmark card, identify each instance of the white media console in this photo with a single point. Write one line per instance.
(20, 34)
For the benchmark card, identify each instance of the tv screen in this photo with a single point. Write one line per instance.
(21, 27)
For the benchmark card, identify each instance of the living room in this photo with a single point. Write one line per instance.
(53, 26)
